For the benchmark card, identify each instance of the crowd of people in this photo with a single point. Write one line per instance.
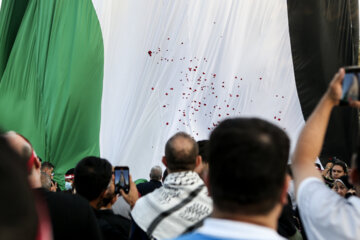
(236, 185)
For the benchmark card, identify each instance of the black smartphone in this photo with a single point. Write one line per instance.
(350, 85)
(122, 179)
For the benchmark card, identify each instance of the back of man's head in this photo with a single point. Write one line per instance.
(253, 154)
(92, 177)
(156, 173)
(46, 165)
(181, 152)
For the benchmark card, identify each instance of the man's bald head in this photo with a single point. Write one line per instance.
(181, 152)
(19, 144)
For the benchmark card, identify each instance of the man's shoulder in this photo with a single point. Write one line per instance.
(198, 236)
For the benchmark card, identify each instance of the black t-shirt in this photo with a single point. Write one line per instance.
(112, 226)
(71, 216)
(148, 187)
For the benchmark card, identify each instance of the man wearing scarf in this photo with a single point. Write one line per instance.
(181, 204)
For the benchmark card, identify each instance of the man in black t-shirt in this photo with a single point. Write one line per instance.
(94, 181)
(154, 183)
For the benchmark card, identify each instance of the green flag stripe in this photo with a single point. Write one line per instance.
(51, 78)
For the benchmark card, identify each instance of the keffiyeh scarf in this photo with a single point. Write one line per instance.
(178, 207)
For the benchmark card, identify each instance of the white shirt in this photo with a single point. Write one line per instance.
(221, 228)
(325, 214)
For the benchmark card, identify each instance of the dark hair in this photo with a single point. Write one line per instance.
(342, 164)
(16, 195)
(204, 150)
(181, 151)
(92, 177)
(48, 165)
(249, 151)
(70, 171)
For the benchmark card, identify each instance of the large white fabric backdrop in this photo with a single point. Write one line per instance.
(184, 65)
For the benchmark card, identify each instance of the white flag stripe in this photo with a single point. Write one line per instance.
(185, 65)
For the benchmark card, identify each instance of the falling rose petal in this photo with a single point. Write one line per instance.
(279, 119)
(260, 78)
(149, 52)
(168, 38)
(167, 123)
(275, 117)
(164, 106)
(227, 106)
(237, 95)
(166, 94)
(171, 89)
(209, 128)
(152, 88)
(214, 75)
(219, 115)
(203, 73)
(190, 69)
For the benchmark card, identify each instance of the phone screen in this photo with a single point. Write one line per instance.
(122, 180)
(350, 85)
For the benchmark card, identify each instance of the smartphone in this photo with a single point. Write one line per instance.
(122, 179)
(350, 85)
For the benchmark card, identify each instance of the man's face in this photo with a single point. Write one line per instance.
(49, 172)
(337, 172)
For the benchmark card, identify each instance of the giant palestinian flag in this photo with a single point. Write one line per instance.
(117, 78)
